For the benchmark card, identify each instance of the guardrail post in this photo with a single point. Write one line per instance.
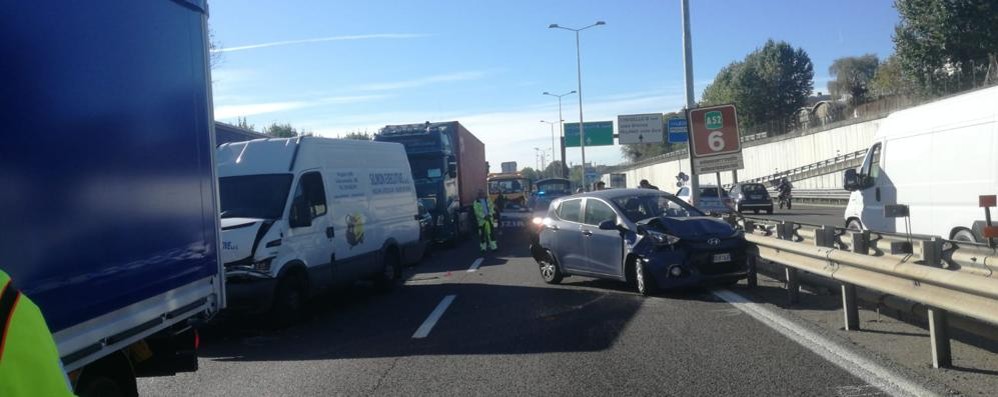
(850, 308)
(932, 251)
(825, 237)
(939, 335)
(786, 232)
(861, 242)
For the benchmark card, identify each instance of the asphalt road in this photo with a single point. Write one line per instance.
(505, 332)
(807, 214)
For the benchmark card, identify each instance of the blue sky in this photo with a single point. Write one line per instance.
(333, 67)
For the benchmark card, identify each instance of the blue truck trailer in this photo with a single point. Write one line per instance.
(108, 200)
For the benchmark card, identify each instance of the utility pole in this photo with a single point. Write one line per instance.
(690, 102)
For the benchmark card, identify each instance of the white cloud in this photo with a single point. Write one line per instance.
(424, 81)
(223, 112)
(324, 39)
(231, 111)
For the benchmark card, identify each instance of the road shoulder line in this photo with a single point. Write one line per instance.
(427, 326)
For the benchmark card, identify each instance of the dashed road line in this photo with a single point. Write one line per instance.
(475, 265)
(424, 330)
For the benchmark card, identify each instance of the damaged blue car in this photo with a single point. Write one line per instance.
(649, 238)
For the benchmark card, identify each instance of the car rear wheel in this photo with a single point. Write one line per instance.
(645, 283)
(550, 272)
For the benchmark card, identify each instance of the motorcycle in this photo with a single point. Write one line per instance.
(785, 199)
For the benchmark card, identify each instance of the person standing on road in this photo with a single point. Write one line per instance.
(29, 360)
(484, 212)
(645, 185)
(600, 186)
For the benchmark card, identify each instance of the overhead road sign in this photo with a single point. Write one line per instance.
(715, 139)
(640, 128)
(678, 130)
(598, 133)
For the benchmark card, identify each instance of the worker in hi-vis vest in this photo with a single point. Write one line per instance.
(29, 360)
(484, 211)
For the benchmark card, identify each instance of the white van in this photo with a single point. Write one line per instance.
(937, 159)
(302, 214)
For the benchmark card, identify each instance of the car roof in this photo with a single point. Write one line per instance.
(617, 193)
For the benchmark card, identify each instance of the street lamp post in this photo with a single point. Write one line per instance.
(578, 64)
(552, 123)
(561, 130)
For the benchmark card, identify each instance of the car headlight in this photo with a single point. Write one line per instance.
(537, 221)
(660, 238)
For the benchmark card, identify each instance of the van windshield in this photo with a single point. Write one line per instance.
(254, 196)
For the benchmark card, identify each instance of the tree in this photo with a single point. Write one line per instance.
(529, 173)
(214, 56)
(890, 79)
(361, 136)
(946, 46)
(768, 86)
(281, 130)
(553, 170)
(242, 123)
(852, 77)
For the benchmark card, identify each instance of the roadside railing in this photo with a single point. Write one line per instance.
(816, 196)
(827, 166)
(945, 276)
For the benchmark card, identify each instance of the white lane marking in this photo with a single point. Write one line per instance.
(430, 321)
(870, 372)
(475, 265)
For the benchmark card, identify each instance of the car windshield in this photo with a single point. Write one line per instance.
(753, 188)
(555, 187)
(508, 186)
(644, 206)
(712, 192)
(254, 196)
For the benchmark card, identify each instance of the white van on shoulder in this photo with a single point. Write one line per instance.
(302, 214)
(937, 159)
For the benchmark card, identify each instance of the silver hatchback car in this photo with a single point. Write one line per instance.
(712, 199)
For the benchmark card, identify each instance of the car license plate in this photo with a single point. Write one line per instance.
(718, 258)
(755, 197)
(513, 224)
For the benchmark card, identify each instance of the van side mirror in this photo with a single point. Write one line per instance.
(300, 216)
(851, 180)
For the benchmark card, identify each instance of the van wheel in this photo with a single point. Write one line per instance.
(289, 300)
(965, 236)
(854, 225)
(390, 272)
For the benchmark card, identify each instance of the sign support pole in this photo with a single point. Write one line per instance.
(690, 103)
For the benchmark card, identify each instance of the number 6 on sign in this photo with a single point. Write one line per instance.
(716, 141)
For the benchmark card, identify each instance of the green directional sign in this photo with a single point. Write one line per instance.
(598, 133)
(714, 120)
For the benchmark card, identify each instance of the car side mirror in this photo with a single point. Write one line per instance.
(851, 180)
(608, 225)
(300, 216)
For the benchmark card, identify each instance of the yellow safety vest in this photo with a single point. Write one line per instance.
(29, 359)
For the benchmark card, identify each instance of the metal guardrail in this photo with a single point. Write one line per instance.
(946, 276)
(827, 166)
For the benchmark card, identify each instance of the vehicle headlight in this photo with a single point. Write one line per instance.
(538, 221)
(263, 266)
(660, 238)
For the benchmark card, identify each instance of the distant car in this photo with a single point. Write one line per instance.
(751, 197)
(648, 237)
(712, 199)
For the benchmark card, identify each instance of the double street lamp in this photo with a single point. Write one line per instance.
(561, 130)
(578, 56)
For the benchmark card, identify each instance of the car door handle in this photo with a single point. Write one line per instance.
(330, 232)
(877, 191)
(587, 233)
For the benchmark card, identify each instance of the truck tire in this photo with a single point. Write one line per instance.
(110, 376)
(289, 300)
